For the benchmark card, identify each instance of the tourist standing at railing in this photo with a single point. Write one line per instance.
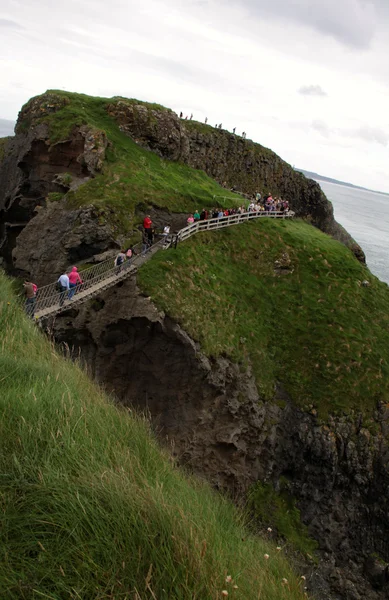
(190, 220)
(74, 280)
(30, 291)
(196, 215)
(63, 287)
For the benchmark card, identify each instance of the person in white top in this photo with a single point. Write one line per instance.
(63, 287)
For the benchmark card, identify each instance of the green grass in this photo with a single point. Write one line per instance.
(132, 177)
(90, 507)
(279, 510)
(315, 329)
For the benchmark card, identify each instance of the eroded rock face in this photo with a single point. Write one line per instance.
(56, 238)
(32, 167)
(211, 416)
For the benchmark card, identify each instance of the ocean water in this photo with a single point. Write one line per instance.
(365, 215)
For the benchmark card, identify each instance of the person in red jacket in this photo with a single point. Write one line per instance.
(74, 280)
(148, 227)
(147, 222)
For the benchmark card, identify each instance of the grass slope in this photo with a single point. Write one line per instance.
(91, 508)
(131, 176)
(315, 329)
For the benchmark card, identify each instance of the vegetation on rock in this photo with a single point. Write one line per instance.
(131, 176)
(91, 507)
(287, 300)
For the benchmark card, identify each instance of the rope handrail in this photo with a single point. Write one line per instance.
(50, 301)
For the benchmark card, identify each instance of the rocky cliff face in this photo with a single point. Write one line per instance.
(212, 417)
(31, 168)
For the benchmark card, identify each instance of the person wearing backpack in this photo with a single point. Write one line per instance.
(63, 287)
(119, 260)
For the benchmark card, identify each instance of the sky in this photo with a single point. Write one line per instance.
(307, 78)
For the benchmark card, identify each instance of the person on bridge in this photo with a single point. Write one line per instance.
(147, 222)
(63, 287)
(74, 280)
(190, 220)
(146, 244)
(30, 291)
(196, 215)
(119, 260)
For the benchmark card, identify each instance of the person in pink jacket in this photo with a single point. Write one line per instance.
(74, 280)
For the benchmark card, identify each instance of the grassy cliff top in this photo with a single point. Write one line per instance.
(131, 176)
(91, 508)
(287, 299)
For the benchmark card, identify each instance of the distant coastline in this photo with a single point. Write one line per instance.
(319, 178)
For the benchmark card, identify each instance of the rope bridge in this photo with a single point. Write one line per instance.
(50, 301)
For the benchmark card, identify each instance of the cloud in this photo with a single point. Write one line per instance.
(368, 134)
(312, 90)
(6, 127)
(321, 127)
(8, 24)
(351, 22)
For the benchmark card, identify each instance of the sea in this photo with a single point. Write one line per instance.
(365, 215)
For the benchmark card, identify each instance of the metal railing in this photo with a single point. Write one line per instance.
(219, 223)
(50, 300)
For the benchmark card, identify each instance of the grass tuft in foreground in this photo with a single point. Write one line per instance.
(287, 299)
(91, 507)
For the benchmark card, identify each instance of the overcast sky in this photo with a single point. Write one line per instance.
(306, 78)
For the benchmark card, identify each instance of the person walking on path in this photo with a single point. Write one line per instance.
(119, 260)
(74, 280)
(30, 291)
(145, 243)
(148, 227)
(63, 287)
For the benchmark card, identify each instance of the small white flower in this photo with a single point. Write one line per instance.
(278, 548)
(228, 579)
(235, 587)
(269, 529)
(224, 593)
(266, 556)
(284, 581)
(303, 577)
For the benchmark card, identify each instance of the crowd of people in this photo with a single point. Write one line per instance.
(217, 126)
(67, 283)
(257, 204)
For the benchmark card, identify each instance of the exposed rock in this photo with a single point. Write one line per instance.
(57, 238)
(32, 166)
(283, 265)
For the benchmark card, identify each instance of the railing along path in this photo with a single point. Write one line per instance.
(50, 301)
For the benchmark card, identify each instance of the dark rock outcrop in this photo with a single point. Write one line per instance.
(57, 238)
(212, 417)
(31, 167)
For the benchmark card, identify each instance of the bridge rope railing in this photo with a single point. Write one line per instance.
(50, 300)
(49, 296)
